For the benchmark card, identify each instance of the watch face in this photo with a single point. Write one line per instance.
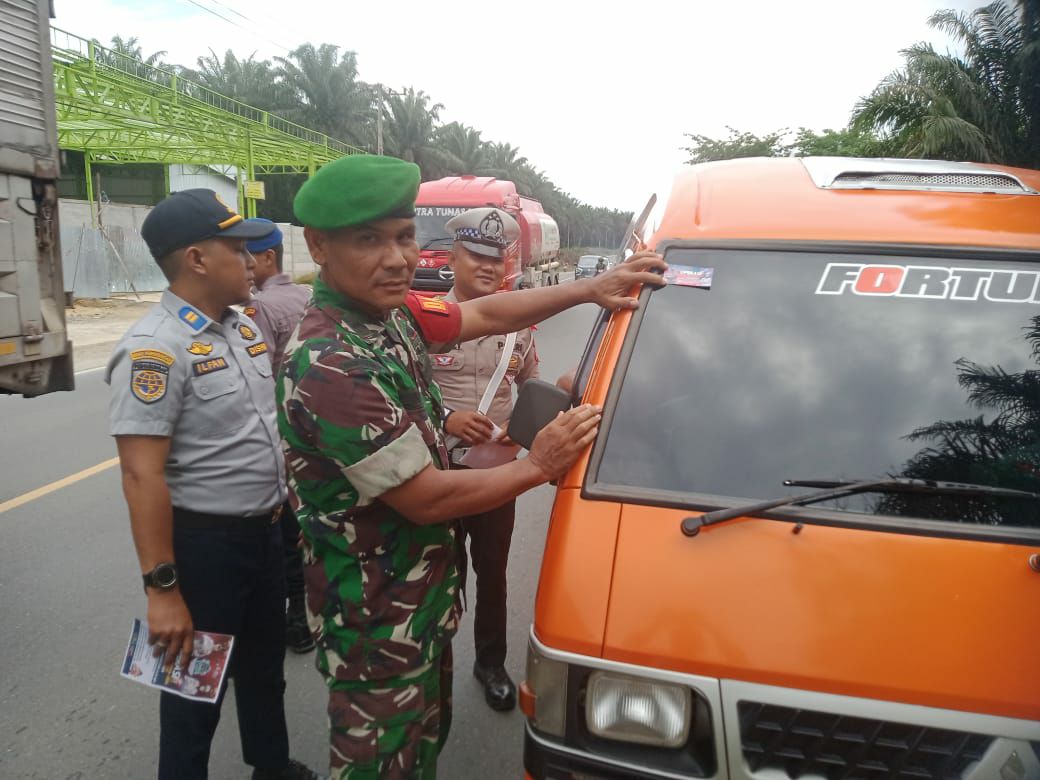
(164, 575)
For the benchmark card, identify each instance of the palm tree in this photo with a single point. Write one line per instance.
(983, 106)
(129, 47)
(248, 80)
(409, 132)
(466, 149)
(126, 55)
(327, 94)
(503, 160)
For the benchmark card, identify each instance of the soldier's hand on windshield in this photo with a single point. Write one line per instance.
(170, 626)
(613, 289)
(562, 441)
(472, 427)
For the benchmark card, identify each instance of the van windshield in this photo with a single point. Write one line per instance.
(429, 225)
(588, 262)
(816, 366)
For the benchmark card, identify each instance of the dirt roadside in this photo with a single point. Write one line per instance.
(95, 325)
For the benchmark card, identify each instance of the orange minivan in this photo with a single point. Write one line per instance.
(806, 542)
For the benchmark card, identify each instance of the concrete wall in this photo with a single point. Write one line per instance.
(110, 258)
(296, 260)
(114, 259)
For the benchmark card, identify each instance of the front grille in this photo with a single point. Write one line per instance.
(965, 181)
(838, 747)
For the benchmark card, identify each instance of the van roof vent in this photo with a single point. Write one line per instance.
(842, 173)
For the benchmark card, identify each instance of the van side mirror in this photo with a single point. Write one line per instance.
(537, 405)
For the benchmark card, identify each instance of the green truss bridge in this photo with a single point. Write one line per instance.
(116, 109)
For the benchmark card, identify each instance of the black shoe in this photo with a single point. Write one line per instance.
(294, 771)
(499, 691)
(298, 635)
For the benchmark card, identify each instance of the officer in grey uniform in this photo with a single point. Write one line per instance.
(476, 380)
(193, 413)
(276, 307)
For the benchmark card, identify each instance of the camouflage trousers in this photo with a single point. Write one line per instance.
(392, 729)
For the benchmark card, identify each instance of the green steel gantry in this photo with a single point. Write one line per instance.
(116, 109)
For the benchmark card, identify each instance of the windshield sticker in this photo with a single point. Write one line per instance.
(689, 276)
(929, 281)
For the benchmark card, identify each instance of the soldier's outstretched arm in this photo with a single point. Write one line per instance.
(508, 312)
(435, 496)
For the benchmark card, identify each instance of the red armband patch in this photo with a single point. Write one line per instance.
(435, 305)
(439, 321)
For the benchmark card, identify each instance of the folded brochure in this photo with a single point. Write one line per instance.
(201, 680)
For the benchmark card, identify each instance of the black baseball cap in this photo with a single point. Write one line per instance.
(195, 215)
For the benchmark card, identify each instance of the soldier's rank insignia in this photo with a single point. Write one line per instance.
(198, 348)
(247, 333)
(148, 374)
(435, 305)
(255, 350)
(249, 311)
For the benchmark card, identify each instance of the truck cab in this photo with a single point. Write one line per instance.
(806, 542)
(440, 200)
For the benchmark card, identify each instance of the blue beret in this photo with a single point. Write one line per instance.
(270, 241)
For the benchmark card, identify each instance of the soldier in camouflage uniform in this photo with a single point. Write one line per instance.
(361, 421)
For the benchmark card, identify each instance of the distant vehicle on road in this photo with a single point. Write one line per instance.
(590, 265)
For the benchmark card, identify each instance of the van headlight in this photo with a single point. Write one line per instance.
(632, 709)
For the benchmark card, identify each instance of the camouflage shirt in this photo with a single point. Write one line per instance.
(359, 414)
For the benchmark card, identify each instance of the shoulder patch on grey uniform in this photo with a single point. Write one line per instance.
(149, 370)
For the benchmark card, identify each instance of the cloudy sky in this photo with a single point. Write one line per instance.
(597, 95)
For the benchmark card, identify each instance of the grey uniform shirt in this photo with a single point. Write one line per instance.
(277, 308)
(207, 386)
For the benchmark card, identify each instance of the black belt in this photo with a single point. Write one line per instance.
(186, 518)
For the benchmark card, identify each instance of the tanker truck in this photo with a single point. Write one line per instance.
(35, 354)
(530, 262)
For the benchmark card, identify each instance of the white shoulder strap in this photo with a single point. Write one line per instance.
(500, 372)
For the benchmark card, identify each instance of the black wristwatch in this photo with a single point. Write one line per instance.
(162, 577)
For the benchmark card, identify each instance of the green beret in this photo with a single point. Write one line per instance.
(357, 189)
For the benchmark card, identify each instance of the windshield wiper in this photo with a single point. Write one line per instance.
(691, 526)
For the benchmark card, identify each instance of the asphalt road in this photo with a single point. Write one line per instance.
(70, 587)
